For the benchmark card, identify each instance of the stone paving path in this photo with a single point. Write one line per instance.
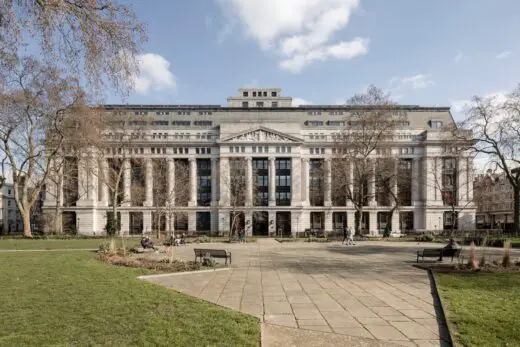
(366, 291)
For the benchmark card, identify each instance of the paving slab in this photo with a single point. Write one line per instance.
(363, 295)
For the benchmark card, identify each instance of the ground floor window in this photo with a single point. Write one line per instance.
(339, 221)
(158, 221)
(181, 221)
(68, 220)
(260, 223)
(383, 221)
(450, 220)
(110, 215)
(283, 224)
(236, 222)
(317, 221)
(406, 221)
(203, 221)
(136, 223)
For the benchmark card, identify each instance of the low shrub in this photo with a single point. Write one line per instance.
(424, 238)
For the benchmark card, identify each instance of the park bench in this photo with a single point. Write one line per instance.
(438, 253)
(214, 253)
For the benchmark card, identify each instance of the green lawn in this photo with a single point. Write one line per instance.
(19, 243)
(64, 298)
(483, 307)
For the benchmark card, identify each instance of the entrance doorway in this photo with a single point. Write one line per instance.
(260, 223)
(136, 223)
(68, 220)
(317, 221)
(283, 223)
(339, 221)
(383, 222)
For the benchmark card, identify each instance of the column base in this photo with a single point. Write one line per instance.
(272, 203)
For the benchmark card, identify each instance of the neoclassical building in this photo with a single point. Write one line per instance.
(280, 146)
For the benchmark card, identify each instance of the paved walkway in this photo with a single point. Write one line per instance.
(367, 291)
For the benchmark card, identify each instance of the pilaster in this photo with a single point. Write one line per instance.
(296, 184)
(193, 182)
(272, 181)
(148, 183)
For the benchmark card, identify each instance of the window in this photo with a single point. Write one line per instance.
(161, 113)
(315, 123)
(245, 94)
(265, 94)
(205, 113)
(336, 123)
(336, 113)
(314, 113)
(153, 150)
(254, 93)
(436, 124)
(231, 149)
(141, 150)
(311, 150)
(203, 123)
(183, 113)
(277, 149)
(196, 151)
(141, 113)
(243, 149)
(9, 191)
(259, 104)
(245, 104)
(274, 104)
(254, 149)
(273, 94)
(208, 150)
(260, 149)
(160, 122)
(181, 123)
(266, 149)
(164, 150)
(323, 151)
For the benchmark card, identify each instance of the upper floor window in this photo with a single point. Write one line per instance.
(273, 94)
(203, 123)
(265, 94)
(160, 122)
(314, 113)
(254, 93)
(314, 123)
(161, 113)
(245, 104)
(245, 94)
(205, 113)
(259, 104)
(181, 123)
(436, 124)
(335, 113)
(274, 104)
(183, 113)
(336, 123)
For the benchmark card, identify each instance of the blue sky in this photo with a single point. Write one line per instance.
(323, 51)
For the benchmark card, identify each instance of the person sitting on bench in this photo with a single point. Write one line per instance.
(146, 242)
(451, 245)
(183, 239)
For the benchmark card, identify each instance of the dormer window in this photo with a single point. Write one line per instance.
(436, 124)
(273, 94)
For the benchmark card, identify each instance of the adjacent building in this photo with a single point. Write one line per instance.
(11, 220)
(494, 201)
(280, 148)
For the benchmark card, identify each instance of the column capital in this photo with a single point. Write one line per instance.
(191, 159)
(271, 158)
(248, 158)
(305, 160)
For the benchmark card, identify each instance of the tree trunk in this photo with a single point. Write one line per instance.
(26, 218)
(357, 221)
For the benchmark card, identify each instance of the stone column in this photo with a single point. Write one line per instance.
(372, 223)
(350, 184)
(147, 222)
(305, 182)
(328, 183)
(103, 182)
(297, 182)
(249, 181)
(214, 181)
(193, 182)
(372, 185)
(127, 183)
(272, 181)
(461, 181)
(82, 180)
(92, 175)
(416, 186)
(224, 183)
(148, 182)
(171, 181)
(469, 178)
(125, 223)
(328, 222)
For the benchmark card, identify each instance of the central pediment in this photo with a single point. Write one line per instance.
(262, 134)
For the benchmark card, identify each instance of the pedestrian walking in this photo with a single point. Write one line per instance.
(350, 237)
(345, 234)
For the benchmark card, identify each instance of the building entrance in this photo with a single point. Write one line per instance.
(136, 223)
(283, 223)
(260, 223)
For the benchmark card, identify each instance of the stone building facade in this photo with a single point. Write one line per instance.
(494, 201)
(280, 146)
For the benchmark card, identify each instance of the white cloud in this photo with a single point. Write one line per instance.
(154, 74)
(419, 81)
(503, 54)
(460, 107)
(299, 31)
(299, 101)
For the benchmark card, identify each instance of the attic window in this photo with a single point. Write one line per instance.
(436, 124)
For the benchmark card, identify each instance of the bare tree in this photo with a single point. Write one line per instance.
(236, 183)
(97, 40)
(36, 108)
(366, 137)
(119, 157)
(169, 199)
(494, 133)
